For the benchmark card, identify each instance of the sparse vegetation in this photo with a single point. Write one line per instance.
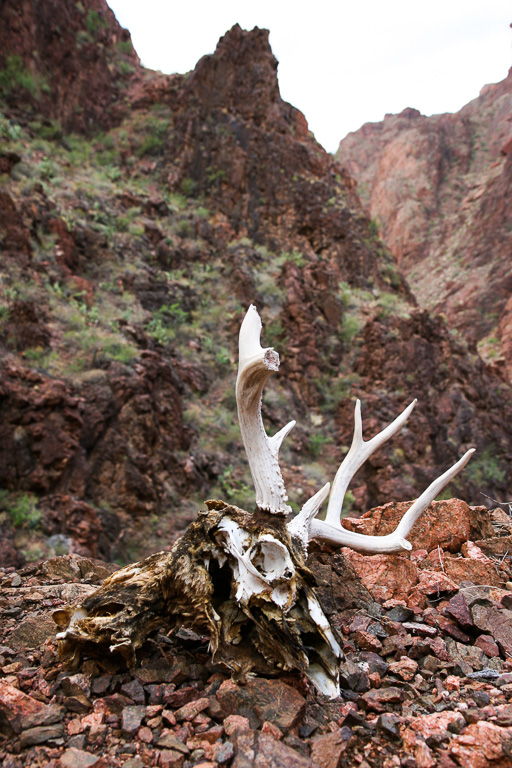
(21, 508)
(16, 77)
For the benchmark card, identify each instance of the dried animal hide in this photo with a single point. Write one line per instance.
(238, 577)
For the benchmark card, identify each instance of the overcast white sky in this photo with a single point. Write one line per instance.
(342, 63)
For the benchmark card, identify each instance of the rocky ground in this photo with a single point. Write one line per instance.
(426, 680)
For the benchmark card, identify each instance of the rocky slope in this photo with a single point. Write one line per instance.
(426, 678)
(67, 61)
(438, 189)
(129, 257)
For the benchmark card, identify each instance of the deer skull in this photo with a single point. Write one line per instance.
(243, 578)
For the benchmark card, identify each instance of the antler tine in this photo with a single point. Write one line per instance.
(300, 525)
(393, 542)
(255, 366)
(355, 458)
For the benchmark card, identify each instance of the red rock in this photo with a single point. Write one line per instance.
(168, 740)
(418, 555)
(79, 758)
(234, 723)
(419, 751)
(360, 622)
(488, 646)
(473, 552)
(435, 724)
(169, 758)
(270, 700)
(479, 571)
(271, 730)
(447, 524)
(458, 608)
(482, 744)
(405, 668)
(182, 696)
(385, 576)
(495, 621)
(452, 683)
(434, 582)
(275, 754)
(145, 734)
(168, 716)
(213, 734)
(367, 642)
(190, 710)
(22, 711)
(450, 628)
(377, 700)
(327, 750)
(417, 628)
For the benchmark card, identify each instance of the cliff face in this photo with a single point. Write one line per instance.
(439, 188)
(131, 255)
(68, 62)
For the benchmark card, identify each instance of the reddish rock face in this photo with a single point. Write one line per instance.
(439, 188)
(77, 58)
(98, 442)
(14, 235)
(418, 354)
(385, 576)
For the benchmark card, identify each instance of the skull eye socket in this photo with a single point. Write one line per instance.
(271, 559)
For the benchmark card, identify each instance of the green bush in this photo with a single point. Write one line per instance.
(126, 68)
(317, 443)
(485, 470)
(94, 23)
(188, 187)
(8, 130)
(151, 145)
(125, 47)
(350, 328)
(15, 76)
(21, 508)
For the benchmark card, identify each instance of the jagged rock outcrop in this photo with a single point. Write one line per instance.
(439, 189)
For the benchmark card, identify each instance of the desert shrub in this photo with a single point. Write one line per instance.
(94, 23)
(21, 508)
(485, 470)
(317, 442)
(188, 187)
(15, 76)
(124, 46)
(125, 67)
(9, 130)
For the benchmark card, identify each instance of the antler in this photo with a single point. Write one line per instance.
(255, 366)
(305, 527)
